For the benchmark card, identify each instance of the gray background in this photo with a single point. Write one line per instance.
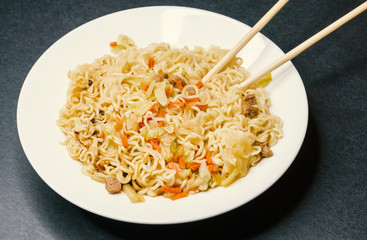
(322, 196)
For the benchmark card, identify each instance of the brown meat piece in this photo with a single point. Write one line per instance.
(250, 99)
(160, 77)
(112, 185)
(250, 111)
(265, 150)
(174, 78)
(191, 90)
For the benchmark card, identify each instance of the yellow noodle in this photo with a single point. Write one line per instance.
(112, 86)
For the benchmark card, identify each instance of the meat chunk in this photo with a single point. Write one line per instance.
(191, 90)
(173, 79)
(160, 77)
(250, 111)
(112, 185)
(250, 99)
(265, 150)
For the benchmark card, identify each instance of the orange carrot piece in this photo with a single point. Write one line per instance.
(112, 44)
(167, 90)
(118, 125)
(179, 195)
(176, 104)
(103, 136)
(157, 147)
(212, 168)
(194, 166)
(124, 141)
(151, 62)
(171, 189)
(199, 84)
(173, 166)
(155, 144)
(179, 85)
(154, 108)
(181, 162)
(145, 87)
(161, 114)
(208, 157)
(202, 106)
(117, 120)
(189, 100)
(161, 124)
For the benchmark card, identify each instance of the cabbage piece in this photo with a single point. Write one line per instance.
(160, 93)
(184, 173)
(117, 48)
(108, 129)
(133, 196)
(150, 88)
(205, 176)
(169, 128)
(238, 145)
(262, 82)
(167, 139)
(153, 133)
(134, 81)
(173, 146)
(217, 178)
(230, 179)
(141, 107)
(182, 151)
(132, 123)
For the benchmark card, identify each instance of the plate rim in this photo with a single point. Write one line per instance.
(229, 208)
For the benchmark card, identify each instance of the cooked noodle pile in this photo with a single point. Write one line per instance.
(143, 122)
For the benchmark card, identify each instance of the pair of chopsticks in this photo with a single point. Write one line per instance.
(289, 55)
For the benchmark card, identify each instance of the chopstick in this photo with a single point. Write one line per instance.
(303, 46)
(258, 26)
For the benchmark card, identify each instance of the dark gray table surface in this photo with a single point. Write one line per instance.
(323, 195)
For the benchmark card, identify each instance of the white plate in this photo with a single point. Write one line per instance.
(44, 93)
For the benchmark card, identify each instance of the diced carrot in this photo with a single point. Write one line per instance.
(151, 62)
(176, 104)
(145, 87)
(173, 166)
(212, 168)
(199, 84)
(179, 195)
(157, 147)
(155, 107)
(155, 144)
(103, 136)
(171, 189)
(112, 44)
(181, 162)
(124, 141)
(117, 120)
(179, 85)
(194, 166)
(161, 114)
(189, 100)
(202, 106)
(161, 124)
(167, 90)
(208, 157)
(118, 125)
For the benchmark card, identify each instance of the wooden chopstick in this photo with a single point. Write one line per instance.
(303, 46)
(233, 52)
